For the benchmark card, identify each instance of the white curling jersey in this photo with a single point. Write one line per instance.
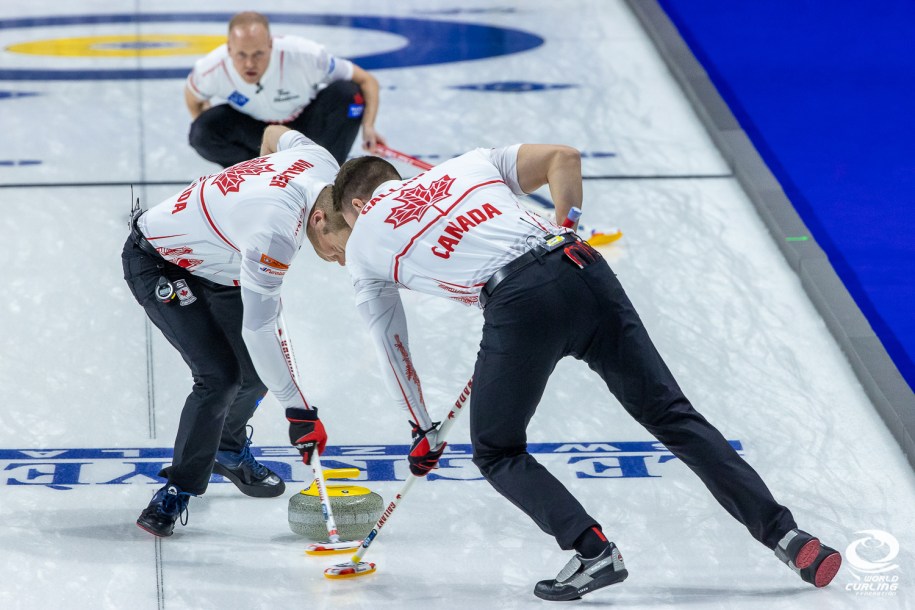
(446, 231)
(297, 68)
(244, 225)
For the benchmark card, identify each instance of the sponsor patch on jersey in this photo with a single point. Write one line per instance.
(269, 271)
(282, 95)
(185, 296)
(238, 99)
(272, 262)
(355, 110)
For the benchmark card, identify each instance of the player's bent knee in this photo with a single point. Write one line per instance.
(489, 461)
(219, 385)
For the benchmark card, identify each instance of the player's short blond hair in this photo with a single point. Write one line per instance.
(247, 18)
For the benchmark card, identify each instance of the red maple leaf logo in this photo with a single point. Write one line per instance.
(230, 180)
(176, 256)
(418, 200)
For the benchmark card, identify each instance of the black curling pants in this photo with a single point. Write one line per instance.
(553, 309)
(226, 136)
(207, 334)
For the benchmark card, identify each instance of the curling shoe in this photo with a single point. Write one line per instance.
(250, 476)
(813, 561)
(824, 567)
(797, 549)
(167, 506)
(581, 576)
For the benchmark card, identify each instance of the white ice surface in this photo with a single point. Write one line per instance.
(725, 310)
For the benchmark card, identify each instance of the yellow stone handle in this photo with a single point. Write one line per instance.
(341, 473)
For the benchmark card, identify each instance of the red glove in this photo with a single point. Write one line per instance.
(306, 432)
(426, 450)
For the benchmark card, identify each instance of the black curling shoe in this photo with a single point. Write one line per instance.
(581, 576)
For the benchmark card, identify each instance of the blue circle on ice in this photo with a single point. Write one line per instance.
(429, 41)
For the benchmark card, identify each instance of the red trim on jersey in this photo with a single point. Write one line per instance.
(536, 220)
(190, 82)
(290, 118)
(282, 59)
(400, 385)
(221, 63)
(471, 287)
(206, 212)
(442, 213)
(165, 236)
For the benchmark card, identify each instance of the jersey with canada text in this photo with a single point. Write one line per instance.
(446, 231)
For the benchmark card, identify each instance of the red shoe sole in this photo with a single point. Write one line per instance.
(807, 554)
(153, 532)
(827, 569)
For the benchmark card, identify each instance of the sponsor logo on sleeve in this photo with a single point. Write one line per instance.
(271, 266)
(272, 262)
(238, 99)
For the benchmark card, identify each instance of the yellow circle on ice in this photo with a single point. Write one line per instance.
(122, 45)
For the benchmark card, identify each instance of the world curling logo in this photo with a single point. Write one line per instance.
(872, 561)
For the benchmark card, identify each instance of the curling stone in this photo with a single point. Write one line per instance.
(356, 510)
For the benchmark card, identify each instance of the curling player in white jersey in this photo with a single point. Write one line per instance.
(458, 231)
(207, 265)
(286, 80)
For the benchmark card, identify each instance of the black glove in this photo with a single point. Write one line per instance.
(426, 449)
(306, 432)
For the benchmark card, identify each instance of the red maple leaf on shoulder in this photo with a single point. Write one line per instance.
(230, 180)
(417, 200)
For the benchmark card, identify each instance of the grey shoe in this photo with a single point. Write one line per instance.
(581, 576)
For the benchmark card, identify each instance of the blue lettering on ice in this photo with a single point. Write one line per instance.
(15, 162)
(238, 99)
(513, 86)
(13, 94)
(67, 468)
